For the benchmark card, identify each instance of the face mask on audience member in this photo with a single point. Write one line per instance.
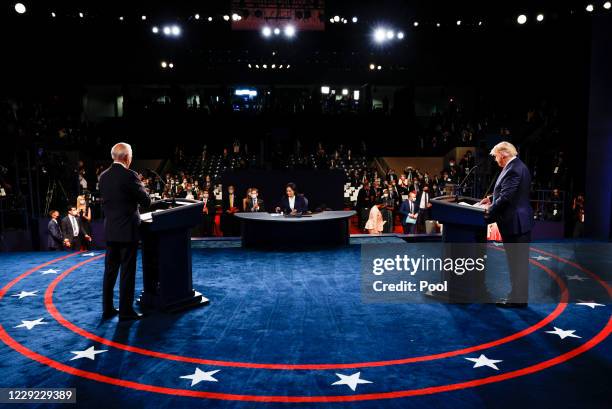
(253, 196)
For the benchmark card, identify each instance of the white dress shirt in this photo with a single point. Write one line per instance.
(292, 202)
(75, 225)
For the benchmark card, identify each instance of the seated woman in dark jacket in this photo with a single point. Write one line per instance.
(292, 203)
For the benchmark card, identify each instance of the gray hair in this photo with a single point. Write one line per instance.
(121, 151)
(505, 148)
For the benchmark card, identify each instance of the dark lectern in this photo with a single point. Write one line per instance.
(464, 235)
(166, 255)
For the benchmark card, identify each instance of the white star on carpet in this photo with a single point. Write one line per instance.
(30, 324)
(24, 294)
(49, 271)
(88, 254)
(484, 361)
(90, 353)
(591, 304)
(199, 376)
(576, 277)
(350, 380)
(540, 258)
(564, 333)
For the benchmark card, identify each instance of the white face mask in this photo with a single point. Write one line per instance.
(385, 195)
(254, 196)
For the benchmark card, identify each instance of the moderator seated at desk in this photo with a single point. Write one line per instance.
(324, 228)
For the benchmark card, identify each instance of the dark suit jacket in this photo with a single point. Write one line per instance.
(225, 203)
(67, 231)
(56, 238)
(210, 205)
(301, 206)
(250, 205)
(122, 192)
(405, 210)
(510, 207)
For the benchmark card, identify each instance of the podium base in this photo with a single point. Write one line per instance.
(150, 302)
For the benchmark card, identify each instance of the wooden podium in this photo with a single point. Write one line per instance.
(464, 235)
(166, 255)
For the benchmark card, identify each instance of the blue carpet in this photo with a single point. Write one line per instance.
(295, 307)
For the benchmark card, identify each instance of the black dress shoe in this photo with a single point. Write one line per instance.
(106, 315)
(133, 316)
(507, 304)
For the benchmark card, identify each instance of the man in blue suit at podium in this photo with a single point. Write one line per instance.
(510, 208)
(122, 192)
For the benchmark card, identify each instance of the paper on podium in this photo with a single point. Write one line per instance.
(478, 205)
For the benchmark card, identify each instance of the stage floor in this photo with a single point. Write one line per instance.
(288, 328)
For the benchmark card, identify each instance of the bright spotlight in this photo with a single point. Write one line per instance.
(276, 31)
(250, 66)
(289, 31)
(171, 65)
(273, 66)
(400, 35)
(81, 15)
(176, 30)
(390, 34)
(155, 30)
(197, 16)
(479, 23)
(143, 17)
(356, 95)
(53, 14)
(354, 19)
(589, 8)
(379, 67)
(236, 17)
(120, 18)
(167, 30)
(265, 66)
(164, 64)
(522, 19)
(607, 5)
(437, 24)
(257, 66)
(331, 20)
(540, 17)
(226, 17)
(372, 66)
(416, 24)
(20, 8)
(458, 22)
(324, 89)
(266, 31)
(344, 21)
(344, 91)
(336, 18)
(288, 66)
(209, 19)
(379, 35)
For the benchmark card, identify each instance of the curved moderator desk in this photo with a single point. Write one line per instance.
(325, 228)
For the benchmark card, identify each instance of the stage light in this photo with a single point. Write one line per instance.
(143, 17)
(176, 30)
(236, 17)
(257, 66)
(540, 17)
(164, 64)
(589, 8)
(379, 67)
(354, 20)
(280, 66)
(167, 30)
(607, 5)
(437, 24)
(379, 35)
(81, 15)
(416, 24)
(458, 22)
(266, 31)
(479, 23)
(400, 35)
(249, 65)
(20, 8)
(344, 21)
(331, 20)
(336, 18)
(344, 91)
(288, 66)
(356, 95)
(155, 30)
(522, 19)
(210, 19)
(197, 16)
(265, 66)
(289, 31)
(120, 18)
(390, 34)
(53, 14)
(276, 31)
(273, 66)
(372, 66)
(324, 89)
(171, 65)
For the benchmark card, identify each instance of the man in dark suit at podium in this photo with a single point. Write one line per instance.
(122, 192)
(510, 208)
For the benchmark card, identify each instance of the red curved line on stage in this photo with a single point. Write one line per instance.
(605, 332)
(74, 328)
(17, 279)
(579, 267)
